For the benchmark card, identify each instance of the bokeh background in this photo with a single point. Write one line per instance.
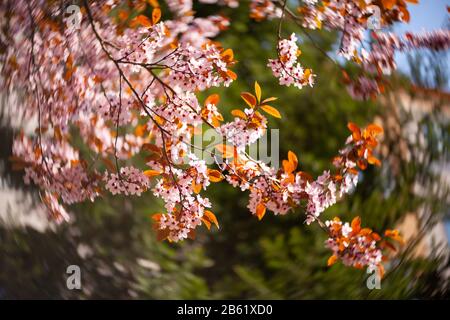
(278, 258)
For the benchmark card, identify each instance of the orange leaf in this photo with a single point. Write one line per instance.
(231, 74)
(207, 223)
(109, 164)
(356, 132)
(346, 77)
(365, 231)
(151, 147)
(307, 73)
(271, 110)
(362, 164)
(374, 129)
(140, 130)
(214, 175)
(191, 235)
(405, 17)
(331, 260)
(58, 133)
(123, 15)
(374, 161)
(376, 236)
(157, 216)
(306, 176)
(260, 210)
(269, 99)
(153, 3)
(293, 159)
(288, 167)
(388, 4)
(215, 122)
(395, 235)
(162, 234)
(258, 91)
(152, 173)
(381, 270)
(156, 15)
(142, 20)
(228, 55)
(226, 150)
(212, 99)
(158, 120)
(249, 99)
(356, 225)
(389, 245)
(239, 113)
(196, 187)
(211, 217)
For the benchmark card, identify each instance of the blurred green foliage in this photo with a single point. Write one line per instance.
(277, 258)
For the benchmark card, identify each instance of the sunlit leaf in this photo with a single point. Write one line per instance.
(269, 99)
(156, 216)
(228, 55)
(249, 99)
(271, 110)
(196, 187)
(211, 217)
(152, 173)
(388, 4)
(142, 20)
(215, 175)
(258, 91)
(151, 147)
(231, 74)
(395, 235)
(239, 113)
(156, 15)
(260, 210)
(356, 132)
(374, 161)
(212, 99)
(288, 166)
(207, 223)
(356, 225)
(331, 260)
(292, 157)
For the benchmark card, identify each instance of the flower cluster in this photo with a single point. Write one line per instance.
(185, 206)
(56, 168)
(286, 68)
(357, 247)
(352, 245)
(193, 69)
(55, 210)
(128, 181)
(264, 9)
(246, 129)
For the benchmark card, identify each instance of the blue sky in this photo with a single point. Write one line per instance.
(426, 15)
